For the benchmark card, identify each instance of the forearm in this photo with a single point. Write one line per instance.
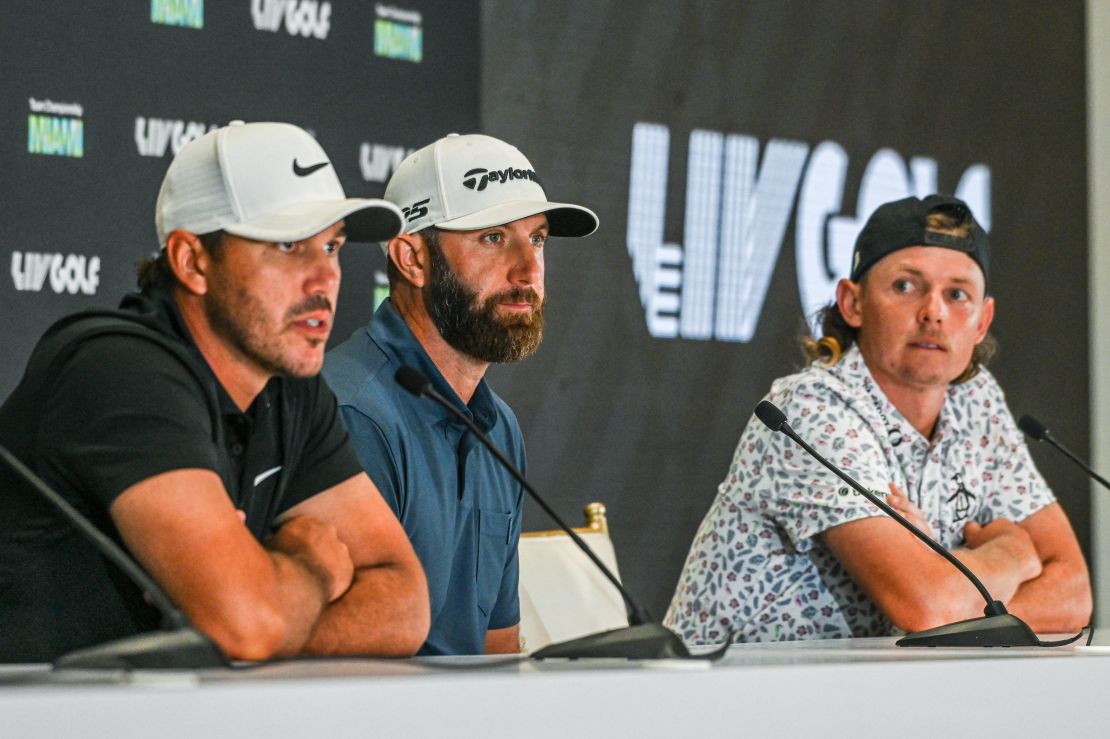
(385, 613)
(299, 597)
(1059, 600)
(996, 567)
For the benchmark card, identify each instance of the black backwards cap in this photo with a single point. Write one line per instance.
(902, 224)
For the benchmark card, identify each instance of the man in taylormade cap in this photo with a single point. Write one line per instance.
(897, 394)
(192, 425)
(466, 290)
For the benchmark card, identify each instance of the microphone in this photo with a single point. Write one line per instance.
(643, 639)
(997, 628)
(178, 646)
(1037, 431)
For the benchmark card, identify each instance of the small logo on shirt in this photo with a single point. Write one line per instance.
(264, 475)
(963, 498)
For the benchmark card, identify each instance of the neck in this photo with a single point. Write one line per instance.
(462, 371)
(242, 380)
(920, 406)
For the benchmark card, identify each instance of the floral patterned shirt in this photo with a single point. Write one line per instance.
(757, 564)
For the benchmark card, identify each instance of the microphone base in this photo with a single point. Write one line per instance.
(646, 641)
(1006, 630)
(183, 649)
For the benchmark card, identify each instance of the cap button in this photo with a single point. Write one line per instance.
(236, 123)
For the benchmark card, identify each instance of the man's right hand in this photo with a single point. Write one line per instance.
(317, 547)
(1013, 539)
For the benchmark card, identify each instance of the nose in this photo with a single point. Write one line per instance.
(323, 274)
(527, 268)
(934, 309)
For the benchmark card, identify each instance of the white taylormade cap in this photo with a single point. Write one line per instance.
(461, 183)
(264, 181)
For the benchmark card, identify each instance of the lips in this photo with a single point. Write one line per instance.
(928, 345)
(316, 323)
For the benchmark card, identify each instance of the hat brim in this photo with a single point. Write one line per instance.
(563, 219)
(366, 220)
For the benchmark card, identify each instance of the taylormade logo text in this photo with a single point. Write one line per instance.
(67, 273)
(478, 178)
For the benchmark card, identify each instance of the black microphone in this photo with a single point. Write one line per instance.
(643, 639)
(1037, 431)
(997, 628)
(179, 646)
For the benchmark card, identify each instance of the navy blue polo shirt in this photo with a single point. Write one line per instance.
(459, 507)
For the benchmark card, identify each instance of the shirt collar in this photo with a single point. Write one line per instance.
(394, 337)
(853, 371)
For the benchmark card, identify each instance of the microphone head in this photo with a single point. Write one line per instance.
(1033, 428)
(412, 379)
(770, 414)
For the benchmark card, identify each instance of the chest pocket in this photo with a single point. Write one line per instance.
(493, 548)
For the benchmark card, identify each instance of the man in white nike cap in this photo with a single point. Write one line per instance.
(192, 426)
(466, 290)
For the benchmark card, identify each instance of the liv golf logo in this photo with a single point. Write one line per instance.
(308, 18)
(64, 273)
(57, 129)
(738, 205)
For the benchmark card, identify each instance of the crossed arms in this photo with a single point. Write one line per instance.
(338, 576)
(1035, 567)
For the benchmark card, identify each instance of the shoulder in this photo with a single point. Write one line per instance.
(980, 402)
(353, 365)
(821, 394)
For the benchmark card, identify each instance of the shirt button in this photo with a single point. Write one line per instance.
(237, 449)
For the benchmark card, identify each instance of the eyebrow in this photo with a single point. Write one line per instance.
(918, 273)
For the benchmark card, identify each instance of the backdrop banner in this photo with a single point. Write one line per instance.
(97, 97)
(733, 151)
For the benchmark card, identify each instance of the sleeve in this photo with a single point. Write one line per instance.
(375, 455)
(799, 493)
(327, 457)
(121, 410)
(506, 610)
(1018, 490)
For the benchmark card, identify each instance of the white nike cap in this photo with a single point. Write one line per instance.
(264, 181)
(460, 183)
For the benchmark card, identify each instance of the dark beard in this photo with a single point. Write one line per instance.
(475, 329)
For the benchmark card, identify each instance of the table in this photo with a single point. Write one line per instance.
(853, 687)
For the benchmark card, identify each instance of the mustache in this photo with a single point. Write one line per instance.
(310, 304)
(517, 295)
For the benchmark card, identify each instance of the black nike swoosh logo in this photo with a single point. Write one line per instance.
(306, 171)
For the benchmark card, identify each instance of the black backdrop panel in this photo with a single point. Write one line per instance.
(126, 93)
(813, 108)
(985, 98)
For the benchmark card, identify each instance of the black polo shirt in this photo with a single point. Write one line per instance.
(110, 399)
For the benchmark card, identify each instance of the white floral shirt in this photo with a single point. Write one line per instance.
(757, 566)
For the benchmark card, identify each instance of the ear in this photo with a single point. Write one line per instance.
(986, 319)
(409, 255)
(848, 300)
(189, 261)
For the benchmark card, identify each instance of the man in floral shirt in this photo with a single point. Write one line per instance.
(897, 395)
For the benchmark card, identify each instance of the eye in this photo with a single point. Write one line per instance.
(333, 247)
(958, 293)
(539, 239)
(493, 237)
(286, 247)
(902, 286)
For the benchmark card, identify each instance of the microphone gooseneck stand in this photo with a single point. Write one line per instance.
(643, 639)
(997, 628)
